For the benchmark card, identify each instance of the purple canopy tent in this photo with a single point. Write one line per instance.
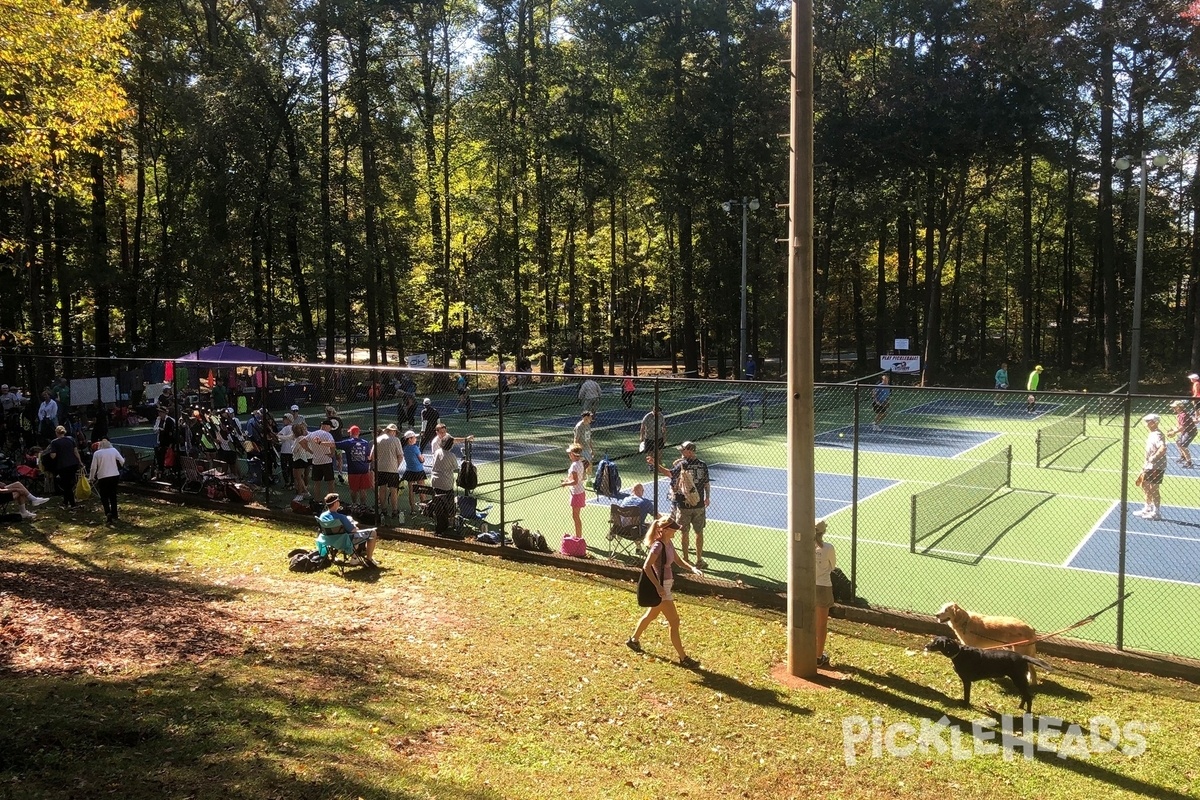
(229, 353)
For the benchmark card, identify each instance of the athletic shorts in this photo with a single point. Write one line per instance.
(300, 464)
(360, 481)
(413, 476)
(1153, 477)
(579, 500)
(1184, 439)
(390, 480)
(824, 596)
(879, 408)
(322, 472)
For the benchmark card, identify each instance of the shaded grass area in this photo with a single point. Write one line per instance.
(176, 657)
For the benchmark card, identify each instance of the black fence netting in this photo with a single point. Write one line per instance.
(998, 501)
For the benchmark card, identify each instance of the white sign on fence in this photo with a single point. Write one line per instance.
(417, 360)
(83, 390)
(902, 344)
(906, 364)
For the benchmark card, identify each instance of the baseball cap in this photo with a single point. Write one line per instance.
(687, 446)
(1194, 377)
(327, 422)
(1150, 418)
(354, 430)
(410, 434)
(586, 413)
(428, 402)
(4, 386)
(1038, 368)
(295, 407)
(1178, 403)
(391, 427)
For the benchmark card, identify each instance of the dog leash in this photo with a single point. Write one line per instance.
(1088, 619)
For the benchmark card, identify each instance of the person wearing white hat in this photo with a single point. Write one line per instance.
(414, 466)
(1153, 469)
(296, 415)
(1184, 431)
(387, 456)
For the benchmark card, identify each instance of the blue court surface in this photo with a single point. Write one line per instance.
(978, 406)
(907, 440)
(1166, 549)
(757, 496)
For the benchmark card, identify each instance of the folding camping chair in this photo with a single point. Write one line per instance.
(625, 530)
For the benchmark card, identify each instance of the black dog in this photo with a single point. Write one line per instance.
(973, 664)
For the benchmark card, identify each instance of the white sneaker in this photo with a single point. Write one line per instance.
(27, 514)
(1145, 512)
(38, 501)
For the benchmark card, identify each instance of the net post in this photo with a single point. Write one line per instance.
(1038, 457)
(1008, 464)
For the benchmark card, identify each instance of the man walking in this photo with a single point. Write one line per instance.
(589, 396)
(1035, 378)
(880, 397)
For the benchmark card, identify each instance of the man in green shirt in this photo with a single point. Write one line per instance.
(1035, 378)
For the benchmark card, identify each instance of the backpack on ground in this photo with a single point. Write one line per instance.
(608, 480)
(301, 560)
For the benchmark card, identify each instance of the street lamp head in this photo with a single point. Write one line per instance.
(1160, 160)
(754, 204)
(1123, 163)
(726, 206)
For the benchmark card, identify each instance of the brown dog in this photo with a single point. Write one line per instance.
(984, 632)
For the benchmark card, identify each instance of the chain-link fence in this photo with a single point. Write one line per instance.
(999, 502)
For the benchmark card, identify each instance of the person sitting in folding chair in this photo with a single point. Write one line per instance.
(339, 532)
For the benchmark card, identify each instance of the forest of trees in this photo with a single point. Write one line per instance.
(531, 178)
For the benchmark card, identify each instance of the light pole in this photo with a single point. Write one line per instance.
(1135, 339)
(748, 204)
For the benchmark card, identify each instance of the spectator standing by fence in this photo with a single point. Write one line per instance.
(826, 560)
(321, 445)
(690, 489)
(387, 456)
(414, 466)
(356, 456)
(429, 422)
(47, 417)
(574, 484)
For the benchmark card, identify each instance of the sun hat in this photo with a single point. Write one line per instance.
(1150, 418)
(391, 426)
(354, 430)
(1178, 403)
(820, 526)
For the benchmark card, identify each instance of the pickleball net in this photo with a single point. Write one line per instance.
(536, 462)
(1058, 436)
(938, 506)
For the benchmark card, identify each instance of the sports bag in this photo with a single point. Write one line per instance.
(526, 539)
(647, 595)
(301, 560)
(575, 547)
(608, 479)
(468, 476)
(688, 493)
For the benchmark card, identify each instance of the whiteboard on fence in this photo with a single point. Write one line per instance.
(83, 390)
(417, 360)
(900, 363)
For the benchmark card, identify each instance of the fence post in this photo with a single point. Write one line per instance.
(854, 496)
(375, 390)
(1121, 538)
(500, 443)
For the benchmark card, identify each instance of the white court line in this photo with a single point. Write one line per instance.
(981, 444)
(1087, 537)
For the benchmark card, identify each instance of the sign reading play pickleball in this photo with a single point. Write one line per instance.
(900, 363)
(901, 344)
(417, 360)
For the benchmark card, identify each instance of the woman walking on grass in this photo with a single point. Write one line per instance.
(661, 560)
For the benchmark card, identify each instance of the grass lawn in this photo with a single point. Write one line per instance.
(176, 657)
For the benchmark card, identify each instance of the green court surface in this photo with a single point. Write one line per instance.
(1046, 548)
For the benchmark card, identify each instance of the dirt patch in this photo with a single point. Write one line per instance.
(57, 619)
(826, 679)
